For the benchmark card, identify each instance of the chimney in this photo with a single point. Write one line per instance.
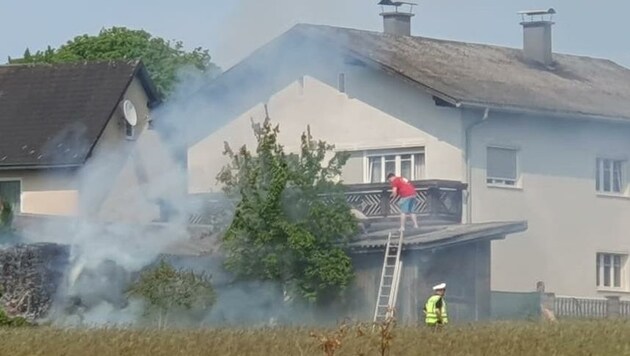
(396, 22)
(537, 35)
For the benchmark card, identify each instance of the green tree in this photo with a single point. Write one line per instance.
(162, 58)
(292, 221)
(168, 290)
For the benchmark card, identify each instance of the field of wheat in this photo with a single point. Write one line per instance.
(565, 338)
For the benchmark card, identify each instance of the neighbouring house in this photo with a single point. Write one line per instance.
(75, 140)
(496, 134)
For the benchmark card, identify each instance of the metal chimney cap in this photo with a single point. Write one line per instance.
(549, 11)
(540, 13)
(395, 3)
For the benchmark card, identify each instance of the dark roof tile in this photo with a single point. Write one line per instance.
(53, 114)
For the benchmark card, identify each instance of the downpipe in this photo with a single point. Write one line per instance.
(468, 148)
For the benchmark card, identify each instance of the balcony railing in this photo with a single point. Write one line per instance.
(438, 201)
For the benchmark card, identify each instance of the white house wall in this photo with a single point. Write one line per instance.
(568, 222)
(376, 113)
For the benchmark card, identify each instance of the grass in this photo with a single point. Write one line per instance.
(564, 338)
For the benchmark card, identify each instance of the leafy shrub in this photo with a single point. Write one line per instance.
(166, 290)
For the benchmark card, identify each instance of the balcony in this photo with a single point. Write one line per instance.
(439, 201)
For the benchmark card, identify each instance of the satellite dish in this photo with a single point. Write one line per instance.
(129, 111)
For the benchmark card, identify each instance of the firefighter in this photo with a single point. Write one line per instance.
(435, 308)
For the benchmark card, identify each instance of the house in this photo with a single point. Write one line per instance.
(533, 135)
(75, 140)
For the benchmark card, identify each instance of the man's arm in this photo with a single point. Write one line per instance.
(438, 309)
(394, 191)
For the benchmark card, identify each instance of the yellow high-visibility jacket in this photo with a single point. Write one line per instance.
(431, 317)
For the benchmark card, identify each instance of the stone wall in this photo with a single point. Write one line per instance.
(30, 277)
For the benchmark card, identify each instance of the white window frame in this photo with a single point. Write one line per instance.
(504, 182)
(383, 153)
(623, 270)
(16, 179)
(600, 161)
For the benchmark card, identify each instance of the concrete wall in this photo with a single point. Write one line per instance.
(375, 113)
(568, 221)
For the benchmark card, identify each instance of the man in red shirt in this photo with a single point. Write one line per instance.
(407, 192)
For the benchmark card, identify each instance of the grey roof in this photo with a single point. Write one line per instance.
(479, 75)
(442, 236)
(53, 114)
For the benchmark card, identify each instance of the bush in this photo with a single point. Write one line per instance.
(7, 321)
(167, 290)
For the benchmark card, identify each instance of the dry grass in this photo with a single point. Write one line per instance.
(564, 338)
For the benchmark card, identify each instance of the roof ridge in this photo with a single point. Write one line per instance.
(133, 62)
(445, 40)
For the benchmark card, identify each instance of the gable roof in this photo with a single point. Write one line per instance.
(477, 75)
(52, 115)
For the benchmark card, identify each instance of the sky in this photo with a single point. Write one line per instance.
(231, 29)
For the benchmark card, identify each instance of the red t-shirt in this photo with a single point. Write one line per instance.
(403, 187)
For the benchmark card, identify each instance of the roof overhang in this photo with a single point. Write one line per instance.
(440, 236)
(541, 112)
(34, 167)
(147, 83)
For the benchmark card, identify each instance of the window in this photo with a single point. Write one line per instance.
(409, 165)
(610, 177)
(11, 191)
(129, 130)
(501, 166)
(610, 272)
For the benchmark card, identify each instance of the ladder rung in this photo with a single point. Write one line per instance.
(388, 285)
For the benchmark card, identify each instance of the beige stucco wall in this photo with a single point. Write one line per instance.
(123, 179)
(396, 116)
(46, 191)
(568, 221)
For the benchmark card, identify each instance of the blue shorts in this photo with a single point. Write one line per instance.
(407, 204)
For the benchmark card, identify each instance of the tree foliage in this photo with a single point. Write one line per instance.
(162, 58)
(292, 221)
(166, 289)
